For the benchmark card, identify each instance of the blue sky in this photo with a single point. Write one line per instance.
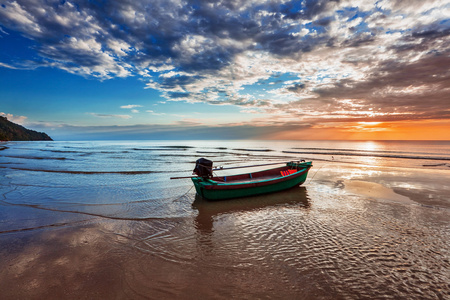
(226, 69)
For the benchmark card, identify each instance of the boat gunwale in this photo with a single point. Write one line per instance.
(210, 184)
(273, 170)
(230, 177)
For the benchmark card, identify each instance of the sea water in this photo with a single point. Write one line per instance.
(107, 211)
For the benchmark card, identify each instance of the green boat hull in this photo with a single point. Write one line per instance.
(213, 190)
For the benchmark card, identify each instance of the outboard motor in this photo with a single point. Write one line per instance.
(203, 168)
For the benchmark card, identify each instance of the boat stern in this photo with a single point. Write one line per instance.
(199, 184)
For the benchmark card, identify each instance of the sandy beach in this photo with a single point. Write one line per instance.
(352, 231)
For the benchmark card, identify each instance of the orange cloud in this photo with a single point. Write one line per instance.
(402, 130)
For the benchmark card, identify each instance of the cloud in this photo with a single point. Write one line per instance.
(3, 32)
(21, 120)
(130, 106)
(110, 116)
(335, 60)
(8, 66)
(154, 113)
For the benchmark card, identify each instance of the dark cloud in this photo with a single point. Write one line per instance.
(359, 40)
(153, 29)
(284, 44)
(175, 95)
(177, 81)
(305, 9)
(224, 21)
(395, 91)
(324, 22)
(296, 87)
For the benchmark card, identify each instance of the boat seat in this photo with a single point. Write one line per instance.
(288, 172)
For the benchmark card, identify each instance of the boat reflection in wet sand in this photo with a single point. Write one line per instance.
(208, 211)
(250, 184)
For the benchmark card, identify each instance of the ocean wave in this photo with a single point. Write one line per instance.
(62, 151)
(175, 147)
(87, 172)
(355, 150)
(36, 157)
(158, 149)
(213, 152)
(253, 150)
(185, 155)
(385, 155)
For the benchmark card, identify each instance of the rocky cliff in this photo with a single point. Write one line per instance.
(10, 131)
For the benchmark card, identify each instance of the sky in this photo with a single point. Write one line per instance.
(232, 69)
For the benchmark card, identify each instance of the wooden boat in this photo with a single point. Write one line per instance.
(250, 184)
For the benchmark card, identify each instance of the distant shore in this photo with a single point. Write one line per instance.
(10, 131)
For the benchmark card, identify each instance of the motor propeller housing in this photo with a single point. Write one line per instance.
(203, 168)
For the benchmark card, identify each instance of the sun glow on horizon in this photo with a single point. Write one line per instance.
(405, 130)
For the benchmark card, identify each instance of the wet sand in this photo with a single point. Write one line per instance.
(351, 232)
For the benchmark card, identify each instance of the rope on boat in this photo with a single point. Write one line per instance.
(315, 174)
(183, 194)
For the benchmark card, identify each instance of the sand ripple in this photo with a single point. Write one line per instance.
(305, 252)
